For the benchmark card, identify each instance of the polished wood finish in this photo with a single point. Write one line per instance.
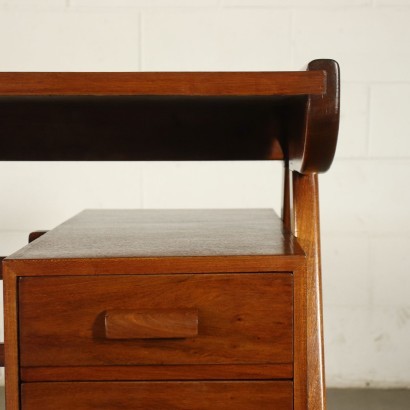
(228, 240)
(306, 228)
(1, 344)
(300, 381)
(254, 279)
(311, 145)
(243, 319)
(171, 372)
(154, 116)
(142, 266)
(165, 233)
(159, 395)
(32, 236)
(11, 340)
(163, 84)
(35, 235)
(151, 324)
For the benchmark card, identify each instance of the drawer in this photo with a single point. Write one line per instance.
(178, 319)
(158, 396)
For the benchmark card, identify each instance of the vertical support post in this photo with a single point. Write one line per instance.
(306, 227)
(286, 208)
(11, 339)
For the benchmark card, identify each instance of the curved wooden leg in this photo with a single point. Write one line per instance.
(306, 227)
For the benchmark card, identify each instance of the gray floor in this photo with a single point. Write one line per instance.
(349, 399)
(368, 399)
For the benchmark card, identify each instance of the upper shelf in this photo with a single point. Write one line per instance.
(151, 116)
(176, 84)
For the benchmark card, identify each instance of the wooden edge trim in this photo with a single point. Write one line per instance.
(162, 83)
(11, 358)
(314, 150)
(168, 372)
(155, 266)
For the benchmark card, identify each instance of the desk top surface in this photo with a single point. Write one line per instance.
(164, 233)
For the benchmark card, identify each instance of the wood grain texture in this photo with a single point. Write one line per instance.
(155, 83)
(174, 372)
(158, 395)
(311, 143)
(223, 263)
(164, 233)
(160, 265)
(151, 323)
(243, 319)
(1, 344)
(300, 379)
(154, 116)
(11, 340)
(306, 227)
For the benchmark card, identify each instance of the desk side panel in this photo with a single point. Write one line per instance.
(11, 338)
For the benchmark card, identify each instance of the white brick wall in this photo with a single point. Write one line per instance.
(365, 199)
(216, 39)
(68, 40)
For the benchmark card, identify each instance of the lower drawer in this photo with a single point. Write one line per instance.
(158, 395)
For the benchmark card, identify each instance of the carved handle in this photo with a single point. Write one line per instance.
(151, 323)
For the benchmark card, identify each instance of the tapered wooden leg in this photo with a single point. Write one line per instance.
(306, 227)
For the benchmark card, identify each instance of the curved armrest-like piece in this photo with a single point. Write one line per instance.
(311, 148)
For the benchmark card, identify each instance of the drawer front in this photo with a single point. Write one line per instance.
(158, 396)
(156, 319)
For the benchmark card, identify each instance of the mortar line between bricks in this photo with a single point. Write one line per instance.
(398, 82)
(313, 8)
(377, 82)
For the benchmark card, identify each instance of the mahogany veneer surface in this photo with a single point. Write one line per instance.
(159, 395)
(171, 83)
(241, 300)
(231, 322)
(165, 233)
(242, 319)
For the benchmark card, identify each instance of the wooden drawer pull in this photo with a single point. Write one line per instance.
(151, 324)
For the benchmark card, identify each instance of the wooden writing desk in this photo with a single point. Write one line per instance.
(193, 309)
